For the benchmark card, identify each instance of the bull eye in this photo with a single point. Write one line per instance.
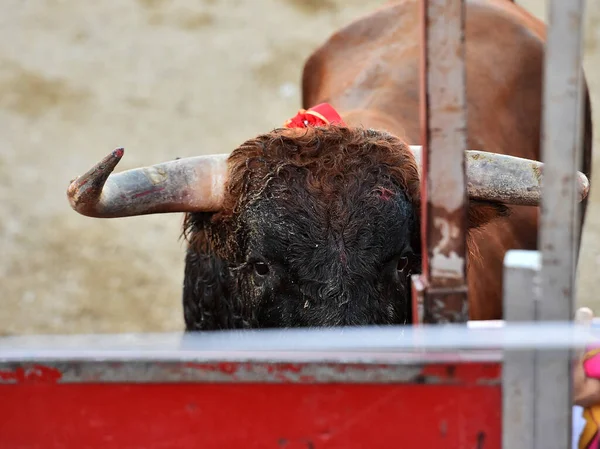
(261, 268)
(402, 264)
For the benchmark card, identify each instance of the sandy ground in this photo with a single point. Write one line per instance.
(163, 79)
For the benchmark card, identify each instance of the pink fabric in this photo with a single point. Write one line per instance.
(591, 366)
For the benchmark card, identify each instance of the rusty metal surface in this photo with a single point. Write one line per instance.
(446, 305)
(250, 371)
(417, 283)
(182, 185)
(444, 188)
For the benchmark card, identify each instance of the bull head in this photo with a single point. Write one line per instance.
(301, 227)
(197, 184)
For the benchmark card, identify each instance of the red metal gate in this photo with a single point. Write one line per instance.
(252, 404)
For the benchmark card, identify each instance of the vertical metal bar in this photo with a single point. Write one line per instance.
(561, 153)
(520, 295)
(444, 140)
(553, 404)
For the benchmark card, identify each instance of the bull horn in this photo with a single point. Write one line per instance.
(197, 184)
(505, 179)
(183, 185)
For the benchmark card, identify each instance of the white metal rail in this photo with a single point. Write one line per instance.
(540, 285)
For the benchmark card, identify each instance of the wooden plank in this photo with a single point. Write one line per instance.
(444, 140)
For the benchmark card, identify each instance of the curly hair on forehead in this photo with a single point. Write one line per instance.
(326, 160)
(329, 154)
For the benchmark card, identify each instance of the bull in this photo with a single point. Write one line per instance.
(317, 223)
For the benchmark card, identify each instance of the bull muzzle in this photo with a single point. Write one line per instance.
(197, 184)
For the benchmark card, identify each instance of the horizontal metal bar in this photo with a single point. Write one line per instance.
(292, 343)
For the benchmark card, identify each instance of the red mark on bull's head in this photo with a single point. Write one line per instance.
(385, 194)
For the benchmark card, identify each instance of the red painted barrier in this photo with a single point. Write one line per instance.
(446, 405)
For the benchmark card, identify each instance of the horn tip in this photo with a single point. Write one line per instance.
(84, 191)
(118, 153)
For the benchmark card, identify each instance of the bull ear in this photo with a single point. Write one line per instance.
(481, 213)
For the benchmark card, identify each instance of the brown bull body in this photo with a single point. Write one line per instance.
(370, 71)
(320, 226)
